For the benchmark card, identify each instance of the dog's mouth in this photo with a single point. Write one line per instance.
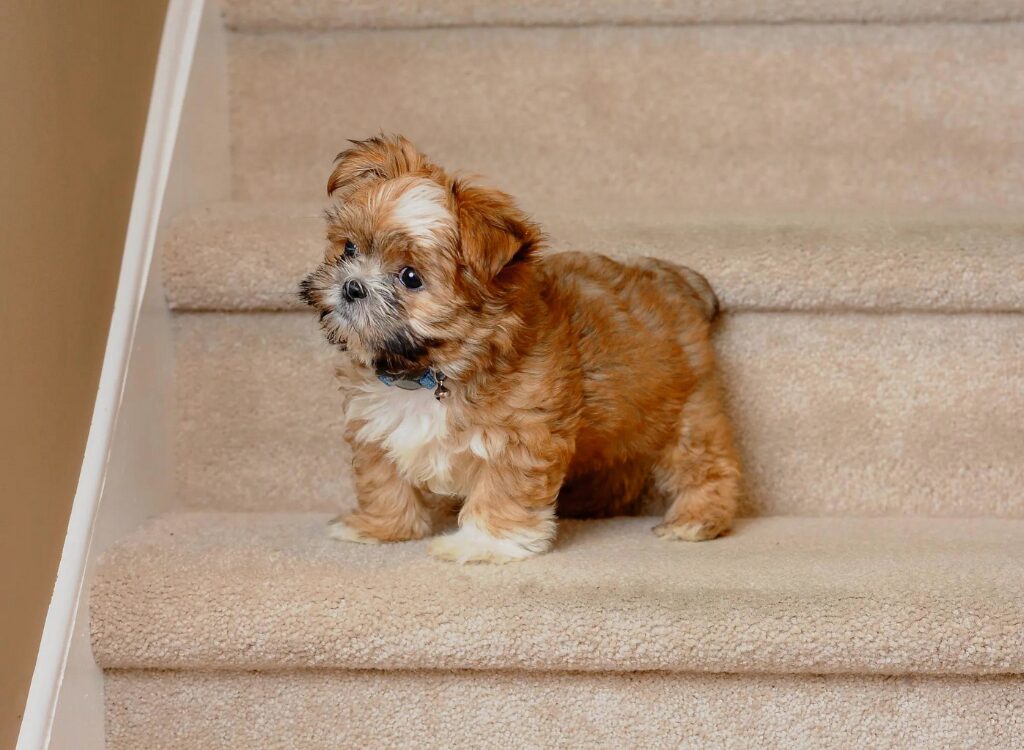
(374, 326)
(390, 348)
(334, 328)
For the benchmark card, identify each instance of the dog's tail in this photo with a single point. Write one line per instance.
(704, 295)
(692, 285)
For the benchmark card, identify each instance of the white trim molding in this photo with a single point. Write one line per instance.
(177, 48)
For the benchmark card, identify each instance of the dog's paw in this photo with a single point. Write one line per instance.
(472, 544)
(689, 531)
(341, 531)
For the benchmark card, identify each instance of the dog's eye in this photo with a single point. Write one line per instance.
(350, 249)
(409, 278)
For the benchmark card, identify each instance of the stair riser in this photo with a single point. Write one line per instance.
(333, 709)
(702, 118)
(841, 414)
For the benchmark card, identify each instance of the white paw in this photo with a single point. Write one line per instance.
(338, 529)
(691, 531)
(472, 544)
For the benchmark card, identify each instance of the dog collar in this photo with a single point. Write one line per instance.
(409, 382)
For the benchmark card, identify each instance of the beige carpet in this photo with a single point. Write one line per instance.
(327, 710)
(249, 256)
(837, 414)
(271, 591)
(315, 15)
(849, 174)
(602, 119)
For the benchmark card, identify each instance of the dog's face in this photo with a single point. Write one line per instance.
(421, 268)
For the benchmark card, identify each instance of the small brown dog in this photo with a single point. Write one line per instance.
(481, 369)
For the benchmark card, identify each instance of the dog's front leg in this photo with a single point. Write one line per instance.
(389, 508)
(508, 516)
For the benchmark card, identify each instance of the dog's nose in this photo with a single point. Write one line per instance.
(353, 290)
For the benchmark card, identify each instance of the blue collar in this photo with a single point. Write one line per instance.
(408, 382)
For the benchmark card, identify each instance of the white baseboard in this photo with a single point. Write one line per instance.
(177, 47)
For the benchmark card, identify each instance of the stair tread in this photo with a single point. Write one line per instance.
(264, 15)
(779, 595)
(251, 255)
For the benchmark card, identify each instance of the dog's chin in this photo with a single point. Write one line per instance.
(389, 362)
(401, 353)
(398, 351)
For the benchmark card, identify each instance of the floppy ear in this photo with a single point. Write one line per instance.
(493, 233)
(379, 158)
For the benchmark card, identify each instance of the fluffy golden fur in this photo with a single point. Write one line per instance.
(577, 383)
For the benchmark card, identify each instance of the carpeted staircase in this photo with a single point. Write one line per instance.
(849, 174)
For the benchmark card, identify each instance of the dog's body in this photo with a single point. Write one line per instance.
(573, 381)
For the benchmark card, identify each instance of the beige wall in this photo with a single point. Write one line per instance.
(75, 80)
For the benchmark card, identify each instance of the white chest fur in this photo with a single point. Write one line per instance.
(413, 429)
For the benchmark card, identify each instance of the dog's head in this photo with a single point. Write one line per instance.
(422, 269)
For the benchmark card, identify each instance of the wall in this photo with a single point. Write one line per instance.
(75, 81)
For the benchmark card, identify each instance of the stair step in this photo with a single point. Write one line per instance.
(251, 256)
(851, 413)
(329, 709)
(779, 595)
(317, 15)
(626, 118)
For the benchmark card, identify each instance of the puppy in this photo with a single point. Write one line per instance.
(515, 383)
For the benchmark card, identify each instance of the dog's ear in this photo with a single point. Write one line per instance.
(494, 234)
(379, 158)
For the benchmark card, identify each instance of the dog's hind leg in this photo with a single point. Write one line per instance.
(700, 472)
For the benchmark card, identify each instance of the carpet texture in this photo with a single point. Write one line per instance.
(327, 709)
(837, 414)
(250, 256)
(316, 15)
(802, 595)
(625, 119)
